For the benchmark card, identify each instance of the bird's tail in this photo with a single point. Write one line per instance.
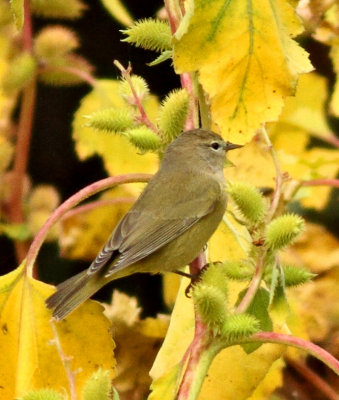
(73, 292)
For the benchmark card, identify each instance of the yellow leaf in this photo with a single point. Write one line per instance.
(316, 249)
(317, 308)
(137, 344)
(272, 380)
(317, 163)
(84, 233)
(307, 109)
(235, 374)
(252, 163)
(119, 156)
(246, 58)
(118, 11)
(28, 357)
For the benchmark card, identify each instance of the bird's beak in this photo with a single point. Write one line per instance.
(232, 146)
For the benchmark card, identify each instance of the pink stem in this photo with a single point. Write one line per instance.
(186, 82)
(254, 285)
(24, 133)
(96, 204)
(311, 348)
(126, 73)
(72, 202)
(321, 182)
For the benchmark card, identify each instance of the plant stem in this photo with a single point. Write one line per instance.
(313, 378)
(126, 74)
(310, 348)
(81, 195)
(200, 358)
(278, 178)
(24, 133)
(254, 285)
(96, 204)
(321, 182)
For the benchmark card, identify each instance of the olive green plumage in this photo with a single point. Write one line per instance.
(168, 225)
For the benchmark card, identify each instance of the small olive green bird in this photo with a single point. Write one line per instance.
(168, 225)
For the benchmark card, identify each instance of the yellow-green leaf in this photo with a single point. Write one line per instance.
(119, 156)
(246, 58)
(29, 358)
(118, 11)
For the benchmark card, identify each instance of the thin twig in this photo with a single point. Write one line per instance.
(24, 134)
(74, 200)
(278, 178)
(65, 361)
(309, 347)
(254, 285)
(126, 74)
(321, 182)
(313, 378)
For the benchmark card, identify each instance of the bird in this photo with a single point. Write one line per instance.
(168, 225)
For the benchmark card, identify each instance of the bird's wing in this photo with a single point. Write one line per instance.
(141, 232)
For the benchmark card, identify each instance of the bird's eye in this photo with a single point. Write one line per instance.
(215, 145)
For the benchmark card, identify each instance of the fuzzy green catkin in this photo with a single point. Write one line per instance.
(237, 270)
(283, 230)
(56, 74)
(43, 394)
(110, 120)
(214, 275)
(140, 86)
(20, 72)
(173, 114)
(249, 201)
(54, 42)
(70, 9)
(211, 306)
(238, 326)
(295, 276)
(98, 386)
(144, 139)
(150, 34)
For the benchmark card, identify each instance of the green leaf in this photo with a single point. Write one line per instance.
(259, 309)
(165, 55)
(15, 231)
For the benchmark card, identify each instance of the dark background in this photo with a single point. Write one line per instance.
(52, 157)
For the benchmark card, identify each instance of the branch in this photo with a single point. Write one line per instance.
(126, 74)
(96, 204)
(278, 178)
(83, 194)
(254, 285)
(321, 182)
(310, 348)
(24, 134)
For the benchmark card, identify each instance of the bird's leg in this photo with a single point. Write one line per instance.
(185, 274)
